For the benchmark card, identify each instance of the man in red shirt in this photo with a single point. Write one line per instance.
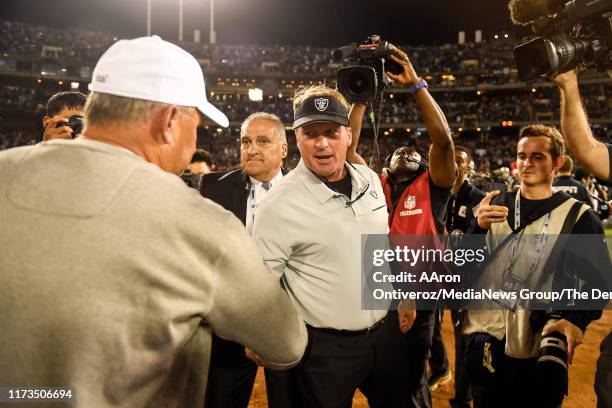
(416, 196)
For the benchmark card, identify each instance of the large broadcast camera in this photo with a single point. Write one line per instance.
(571, 34)
(365, 80)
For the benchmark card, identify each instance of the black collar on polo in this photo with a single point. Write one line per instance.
(320, 109)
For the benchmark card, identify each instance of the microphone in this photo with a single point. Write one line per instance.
(524, 12)
(342, 53)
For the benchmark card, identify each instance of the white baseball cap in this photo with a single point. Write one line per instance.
(152, 69)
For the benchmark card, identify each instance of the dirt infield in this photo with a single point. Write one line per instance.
(582, 371)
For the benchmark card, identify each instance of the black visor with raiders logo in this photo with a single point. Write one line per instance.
(320, 109)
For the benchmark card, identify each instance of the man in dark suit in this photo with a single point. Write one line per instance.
(263, 146)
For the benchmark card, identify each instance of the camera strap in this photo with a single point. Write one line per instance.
(539, 243)
(553, 202)
(560, 244)
(514, 283)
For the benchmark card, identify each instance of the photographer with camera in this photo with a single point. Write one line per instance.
(410, 184)
(517, 346)
(64, 118)
(596, 157)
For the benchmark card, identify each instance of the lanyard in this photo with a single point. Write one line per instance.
(517, 210)
(453, 210)
(538, 244)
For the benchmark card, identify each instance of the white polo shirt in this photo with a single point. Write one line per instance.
(311, 238)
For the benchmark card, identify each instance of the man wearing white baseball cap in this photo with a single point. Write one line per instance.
(116, 272)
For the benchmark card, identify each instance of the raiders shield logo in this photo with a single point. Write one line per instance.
(410, 202)
(321, 104)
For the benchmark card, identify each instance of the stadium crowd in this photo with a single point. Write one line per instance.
(26, 40)
(463, 108)
(454, 144)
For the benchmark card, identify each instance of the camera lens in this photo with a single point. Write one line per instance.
(533, 59)
(571, 52)
(551, 370)
(359, 83)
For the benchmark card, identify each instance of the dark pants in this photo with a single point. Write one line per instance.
(282, 389)
(603, 375)
(463, 394)
(438, 361)
(335, 365)
(230, 377)
(514, 384)
(418, 343)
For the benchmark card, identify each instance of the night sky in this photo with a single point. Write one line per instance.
(310, 22)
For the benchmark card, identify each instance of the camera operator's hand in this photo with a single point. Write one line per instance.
(53, 132)
(566, 78)
(488, 213)
(409, 77)
(406, 312)
(572, 333)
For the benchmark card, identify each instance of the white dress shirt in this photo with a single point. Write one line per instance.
(256, 195)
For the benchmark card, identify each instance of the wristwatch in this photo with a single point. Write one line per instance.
(419, 85)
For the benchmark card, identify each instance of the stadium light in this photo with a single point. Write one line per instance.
(255, 95)
(148, 18)
(213, 34)
(496, 36)
(180, 20)
(180, 27)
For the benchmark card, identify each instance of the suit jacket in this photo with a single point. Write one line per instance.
(228, 189)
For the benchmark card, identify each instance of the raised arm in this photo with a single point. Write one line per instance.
(442, 167)
(591, 153)
(355, 120)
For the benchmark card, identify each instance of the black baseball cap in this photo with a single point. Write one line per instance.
(320, 109)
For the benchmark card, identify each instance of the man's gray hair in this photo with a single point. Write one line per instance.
(278, 124)
(102, 109)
